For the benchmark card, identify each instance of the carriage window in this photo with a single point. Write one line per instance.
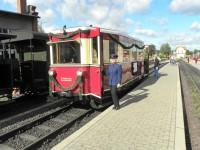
(94, 52)
(27, 56)
(40, 56)
(106, 51)
(113, 46)
(126, 55)
(140, 54)
(134, 54)
(66, 52)
(120, 53)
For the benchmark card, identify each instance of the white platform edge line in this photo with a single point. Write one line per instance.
(180, 130)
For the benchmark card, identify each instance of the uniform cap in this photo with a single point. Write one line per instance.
(114, 56)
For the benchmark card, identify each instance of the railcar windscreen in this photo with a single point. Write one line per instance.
(66, 52)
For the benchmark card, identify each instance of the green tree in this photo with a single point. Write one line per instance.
(196, 51)
(152, 49)
(188, 53)
(165, 50)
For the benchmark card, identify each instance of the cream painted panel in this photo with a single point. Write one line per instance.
(85, 51)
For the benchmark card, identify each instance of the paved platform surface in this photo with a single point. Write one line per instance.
(150, 118)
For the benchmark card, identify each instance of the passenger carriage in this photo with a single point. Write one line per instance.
(80, 56)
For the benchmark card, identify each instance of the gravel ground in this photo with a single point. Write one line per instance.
(25, 104)
(65, 133)
(24, 139)
(35, 131)
(17, 142)
(21, 123)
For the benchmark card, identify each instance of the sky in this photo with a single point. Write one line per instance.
(176, 22)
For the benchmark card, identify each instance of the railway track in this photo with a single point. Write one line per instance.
(190, 80)
(20, 114)
(192, 73)
(32, 134)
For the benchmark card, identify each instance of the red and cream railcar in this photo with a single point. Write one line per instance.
(79, 57)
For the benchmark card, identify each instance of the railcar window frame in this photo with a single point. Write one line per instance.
(59, 53)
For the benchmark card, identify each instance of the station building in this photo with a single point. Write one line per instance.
(22, 48)
(180, 52)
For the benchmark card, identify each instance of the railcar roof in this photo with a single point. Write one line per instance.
(105, 30)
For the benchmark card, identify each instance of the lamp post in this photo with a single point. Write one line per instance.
(146, 61)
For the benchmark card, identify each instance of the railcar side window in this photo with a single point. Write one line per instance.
(134, 54)
(140, 54)
(120, 53)
(94, 52)
(109, 47)
(66, 52)
(126, 55)
(113, 47)
(106, 51)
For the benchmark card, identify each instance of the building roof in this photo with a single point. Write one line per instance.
(179, 46)
(4, 36)
(3, 12)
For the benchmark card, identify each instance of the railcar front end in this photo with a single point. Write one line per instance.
(75, 70)
(79, 58)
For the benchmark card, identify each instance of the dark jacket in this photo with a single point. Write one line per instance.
(114, 72)
(156, 63)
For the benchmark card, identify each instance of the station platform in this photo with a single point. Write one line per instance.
(150, 118)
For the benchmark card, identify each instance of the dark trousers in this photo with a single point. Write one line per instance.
(115, 99)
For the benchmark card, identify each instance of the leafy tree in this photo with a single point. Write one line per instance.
(165, 49)
(196, 51)
(152, 49)
(188, 52)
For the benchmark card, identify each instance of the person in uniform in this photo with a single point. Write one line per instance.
(114, 73)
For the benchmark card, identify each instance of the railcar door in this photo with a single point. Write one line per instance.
(109, 47)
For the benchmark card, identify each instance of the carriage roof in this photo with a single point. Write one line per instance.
(104, 30)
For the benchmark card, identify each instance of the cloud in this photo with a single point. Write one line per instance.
(139, 6)
(145, 32)
(134, 7)
(110, 14)
(160, 20)
(195, 26)
(185, 39)
(103, 13)
(186, 6)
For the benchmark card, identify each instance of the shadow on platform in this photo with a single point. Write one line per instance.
(129, 99)
(152, 79)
